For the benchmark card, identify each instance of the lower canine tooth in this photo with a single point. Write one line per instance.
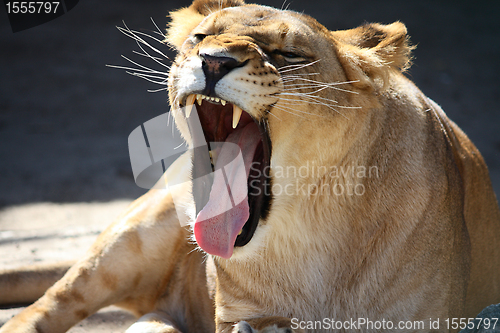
(236, 115)
(189, 104)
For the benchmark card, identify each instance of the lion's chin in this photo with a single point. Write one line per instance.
(228, 213)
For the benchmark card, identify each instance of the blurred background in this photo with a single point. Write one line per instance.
(65, 117)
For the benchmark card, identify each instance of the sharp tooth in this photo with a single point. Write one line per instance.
(199, 98)
(236, 115)
(217, 99)
(223, 102)
(240, 232)
(213, 156)
(189, 104)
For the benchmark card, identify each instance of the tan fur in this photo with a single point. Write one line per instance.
(420, 242)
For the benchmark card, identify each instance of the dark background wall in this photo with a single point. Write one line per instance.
(65, 117)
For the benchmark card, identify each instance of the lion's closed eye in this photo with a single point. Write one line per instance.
(199, 37)
(290, 56)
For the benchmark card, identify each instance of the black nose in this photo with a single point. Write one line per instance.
(215, 68)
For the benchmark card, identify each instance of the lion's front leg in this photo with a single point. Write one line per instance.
(260, 325)
(129, 264)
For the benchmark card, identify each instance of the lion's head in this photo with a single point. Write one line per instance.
(286, 90)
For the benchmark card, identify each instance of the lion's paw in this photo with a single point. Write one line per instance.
(244, 327)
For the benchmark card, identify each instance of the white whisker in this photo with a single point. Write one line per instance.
(153, 58)
(135, 63)
(328, 85)
(318, 103)
(146, 50)
(149, 71)
(134, 34)
(147, 55)
(349, 107)
(327, 100)
(161, 33)
(141, 66)
(294, 67)
(306, 85)
(299, 111)
(290, 110)
(318, 98)
(300, 74)
(149, 78)
(319, 89)
(275, 116)
(311, 97)
(157, 90)
(298, 78)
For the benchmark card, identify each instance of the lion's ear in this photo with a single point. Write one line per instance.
(184, 20)
(369, 53)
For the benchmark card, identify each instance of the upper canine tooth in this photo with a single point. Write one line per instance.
(199, 98)
(213, 156)
(189, 104)
(236, 115)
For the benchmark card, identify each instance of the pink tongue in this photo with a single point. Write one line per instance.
(227, 210)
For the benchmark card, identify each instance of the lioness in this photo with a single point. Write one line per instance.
(361, 199)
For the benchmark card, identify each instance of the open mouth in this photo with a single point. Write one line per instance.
(229, 211)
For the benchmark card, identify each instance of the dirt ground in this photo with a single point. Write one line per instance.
(65, 117)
